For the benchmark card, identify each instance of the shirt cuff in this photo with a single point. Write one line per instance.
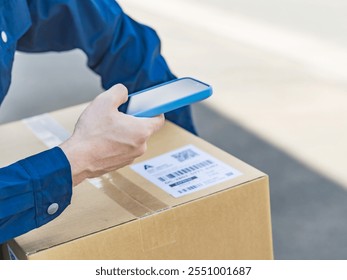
(50, 172)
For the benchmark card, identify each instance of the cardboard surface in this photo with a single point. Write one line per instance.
(128, 217)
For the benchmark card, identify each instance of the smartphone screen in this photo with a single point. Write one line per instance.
(169, 96)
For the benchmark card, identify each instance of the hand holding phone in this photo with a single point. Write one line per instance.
(167, 97)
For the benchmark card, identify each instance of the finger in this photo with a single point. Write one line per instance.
(155, 123)
(118, 95)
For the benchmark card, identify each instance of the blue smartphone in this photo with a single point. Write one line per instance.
(167, 97)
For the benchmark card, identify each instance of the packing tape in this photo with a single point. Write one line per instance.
(130, 196)
(122, 198)
(47, 129)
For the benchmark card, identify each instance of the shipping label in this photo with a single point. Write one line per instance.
(185, 170)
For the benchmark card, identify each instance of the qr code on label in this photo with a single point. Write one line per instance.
(184, 155)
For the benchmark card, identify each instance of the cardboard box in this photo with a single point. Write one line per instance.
(123, 215)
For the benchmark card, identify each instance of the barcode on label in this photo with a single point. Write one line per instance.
(185, 171)
(184, 155)
(183, 181)
(188, 189)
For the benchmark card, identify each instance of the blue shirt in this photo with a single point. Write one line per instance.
(119, 49)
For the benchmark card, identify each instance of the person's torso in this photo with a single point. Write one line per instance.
(14, 21)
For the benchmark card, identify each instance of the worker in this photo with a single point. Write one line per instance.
(126, 55)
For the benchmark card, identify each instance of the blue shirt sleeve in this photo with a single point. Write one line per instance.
(28, 190)
(118, 48)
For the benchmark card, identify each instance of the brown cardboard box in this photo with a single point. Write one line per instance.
(129, 217)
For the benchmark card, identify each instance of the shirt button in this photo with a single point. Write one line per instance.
(52, 208)
(4, 36)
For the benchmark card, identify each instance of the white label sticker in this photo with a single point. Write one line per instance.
(185, 170)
